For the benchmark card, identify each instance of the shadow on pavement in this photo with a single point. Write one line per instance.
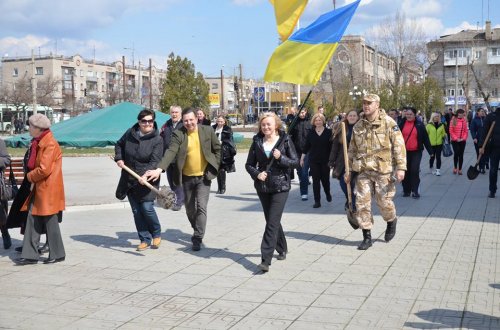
(321, 238)
(113, 243)
(495, 285)
(178, 237)
(446, 318)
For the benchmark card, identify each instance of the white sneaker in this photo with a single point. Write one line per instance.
(304, 197)
(438, 173)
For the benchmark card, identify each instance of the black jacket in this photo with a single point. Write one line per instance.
(299, 132)
(422, 136)
(477, 129)
(140, 153)
(278, 179)
(494, 141)
(166, 132)
(228, 149)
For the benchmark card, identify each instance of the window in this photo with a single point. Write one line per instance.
(15, 72)
(494, 92)
(478, 54)
(460, 92)
(495, 52)
(67, 84)
(215, 86)
(451, 92)
(39, 71)
(453, 73)
(81, 73)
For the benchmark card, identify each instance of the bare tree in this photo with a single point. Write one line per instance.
(403, 41)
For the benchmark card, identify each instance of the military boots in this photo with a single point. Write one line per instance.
(391, 230)
(367, 240)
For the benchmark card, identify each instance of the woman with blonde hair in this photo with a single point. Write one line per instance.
(318, 145)
(437, 132)
(270, 160)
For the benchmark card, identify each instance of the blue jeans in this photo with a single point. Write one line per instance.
(343, 186)
(146, 221)
(303, 174)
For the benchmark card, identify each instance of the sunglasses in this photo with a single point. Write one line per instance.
(145, 121)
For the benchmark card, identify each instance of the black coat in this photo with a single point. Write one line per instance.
(140, 153)
(494, 141)
(228, 149)
(278, 177)
(299, 132)
(167, 130)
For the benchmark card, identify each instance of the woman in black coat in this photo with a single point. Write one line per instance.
(4, 163)
(141, 149)
(270, 161)
(225, 135)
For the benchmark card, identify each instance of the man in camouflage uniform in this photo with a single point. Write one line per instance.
(377, 157)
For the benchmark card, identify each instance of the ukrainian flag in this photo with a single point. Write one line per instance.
(287, 14)
(302, 58)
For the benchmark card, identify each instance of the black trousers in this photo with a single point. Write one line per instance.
(436, 151)
(221, 180)
(458, 154)
(320, 173)
(273, 205)
(412, 175)
(494, 160)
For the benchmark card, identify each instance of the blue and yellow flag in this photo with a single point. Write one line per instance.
(302, 58)
(287, 14)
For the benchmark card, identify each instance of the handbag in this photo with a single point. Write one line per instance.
(447, 151)
(8, 186)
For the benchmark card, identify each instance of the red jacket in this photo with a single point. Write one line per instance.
(460, 130)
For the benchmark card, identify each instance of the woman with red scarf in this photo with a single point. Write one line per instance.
(416, 138)
(46, 201)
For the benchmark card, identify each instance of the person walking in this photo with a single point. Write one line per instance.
(228, 150)
(436, 131)
(377, 154)
(46, 201)
(140, 149)
(416, 138)
(476, 133)
(298, 133)
(174, 123)
(270, 160)
(336, 160)
(458, 136)
(4, 206)
(491, 148)
(196, 152)
(318, 145)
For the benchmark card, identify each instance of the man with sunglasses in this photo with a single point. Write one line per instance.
(196, 152)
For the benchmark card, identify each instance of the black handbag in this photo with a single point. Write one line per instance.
(447, 151)
(8, 186)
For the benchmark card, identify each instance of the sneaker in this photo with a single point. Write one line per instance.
(281, 256)
(263, 267)
(143, 246)
(438, 173)
(156, 243)
(304, 197)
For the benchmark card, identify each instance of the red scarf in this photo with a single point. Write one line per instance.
(33, 149)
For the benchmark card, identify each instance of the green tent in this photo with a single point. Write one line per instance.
(99, 128)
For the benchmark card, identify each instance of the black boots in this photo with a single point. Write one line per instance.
(367, 240)
(221, 182)
(391, 230)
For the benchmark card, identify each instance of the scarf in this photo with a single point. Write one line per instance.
(33, 150)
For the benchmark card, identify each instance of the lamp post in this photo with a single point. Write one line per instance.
(355, 94)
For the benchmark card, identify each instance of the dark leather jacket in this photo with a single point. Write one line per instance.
(278, 179)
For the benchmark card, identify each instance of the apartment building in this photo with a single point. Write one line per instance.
(459, 61)
(83, 83)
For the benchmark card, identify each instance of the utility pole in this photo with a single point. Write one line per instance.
(33, 80)
(123, 73)
(133, 51)
(150, 85)
(221, 90)
(139, 96)
(243, 96)
(73, 89)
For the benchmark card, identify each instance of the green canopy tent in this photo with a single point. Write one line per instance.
(99, 128)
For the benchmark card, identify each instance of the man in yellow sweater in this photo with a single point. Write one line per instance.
(195, 150)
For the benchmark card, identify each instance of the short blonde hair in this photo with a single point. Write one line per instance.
(320, 116)
(277, 119)
(434, 114)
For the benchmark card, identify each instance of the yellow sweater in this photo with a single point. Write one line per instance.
(195, 161)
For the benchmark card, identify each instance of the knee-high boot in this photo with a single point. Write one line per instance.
(222, 182)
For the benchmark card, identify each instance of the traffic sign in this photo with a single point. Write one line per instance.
(259, 94)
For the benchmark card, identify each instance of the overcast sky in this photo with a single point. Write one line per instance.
(214, 35)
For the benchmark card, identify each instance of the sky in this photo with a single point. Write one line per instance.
(214, 35)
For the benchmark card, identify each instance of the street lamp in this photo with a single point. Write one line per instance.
(356, 93)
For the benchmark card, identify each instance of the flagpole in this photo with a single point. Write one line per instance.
(298, 85)
(302, 105)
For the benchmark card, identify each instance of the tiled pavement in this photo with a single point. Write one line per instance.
(440, 272)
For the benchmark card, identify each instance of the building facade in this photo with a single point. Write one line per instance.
(467, 66)
(83, 83)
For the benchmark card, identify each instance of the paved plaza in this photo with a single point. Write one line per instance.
(441, 271)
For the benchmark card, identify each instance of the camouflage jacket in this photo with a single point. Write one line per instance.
(377, 146)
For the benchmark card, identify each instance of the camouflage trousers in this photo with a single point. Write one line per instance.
(383, 186)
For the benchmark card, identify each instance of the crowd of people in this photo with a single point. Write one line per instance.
(381, 149)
